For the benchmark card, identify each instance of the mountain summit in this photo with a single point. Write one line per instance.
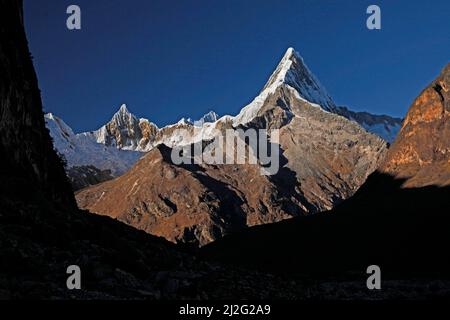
(294, 75)
(291, 73)
(123, 131)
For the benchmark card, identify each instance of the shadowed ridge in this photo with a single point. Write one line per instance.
(403, 230)
(29, 167)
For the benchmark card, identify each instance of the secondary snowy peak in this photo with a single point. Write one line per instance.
(293, 73)
(209, 117)
(184, 121)
(57, 125)
(123, 117)
(122, 131)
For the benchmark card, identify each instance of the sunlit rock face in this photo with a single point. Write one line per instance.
(421, 152)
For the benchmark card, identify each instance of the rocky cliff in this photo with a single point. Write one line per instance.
(28, 165)
(421, 152)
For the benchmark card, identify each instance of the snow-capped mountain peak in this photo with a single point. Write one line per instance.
(59, 124)
(123, 109)
(279, 75)
(184, 121)
(209, 117)
(123, 117)
(293, 73)
(122, 131)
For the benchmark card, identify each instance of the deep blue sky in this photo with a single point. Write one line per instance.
(169, 59)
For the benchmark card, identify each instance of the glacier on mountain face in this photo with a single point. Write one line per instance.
(82, 150)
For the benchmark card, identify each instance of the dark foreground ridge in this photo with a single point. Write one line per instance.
(404, 231)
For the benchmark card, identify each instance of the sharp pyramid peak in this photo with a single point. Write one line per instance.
(123, 112)
(291, 62)
(211, 112)
(290, 53)
(123, 117)
(123, 109)
(293, 71)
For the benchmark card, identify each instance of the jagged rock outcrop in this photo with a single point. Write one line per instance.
(421, 152)
(126, 132)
